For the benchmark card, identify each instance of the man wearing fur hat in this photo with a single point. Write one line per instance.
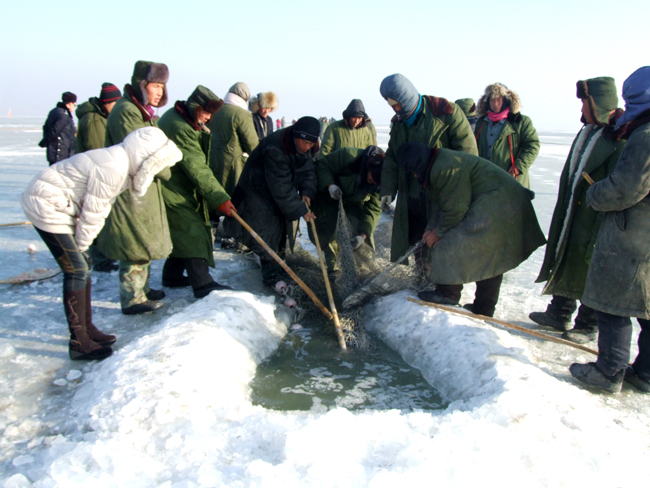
(261, 106)
(92, 117)
(59, 130)
(435, 122)
(191, 193)
(233, 137)
(504, 135)
(274, 191)
(136, 231)
(574, 227)
(468, 107)
(351, 131)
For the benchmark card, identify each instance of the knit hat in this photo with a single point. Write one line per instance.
(241, 89)
(263, 100)
(372, 160)
(510, 99)
(110, 93)
(145, 72)
(307, 128)
(413, 157)
(69, 97)
(206, 99)
(399, 88)
(636, 93)
(355, 109)
(601, 93)
(467, 105)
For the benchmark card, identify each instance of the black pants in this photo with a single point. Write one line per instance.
(614, 337)
(486, 298)
(197, 271)
(74, 264)
(562, 308)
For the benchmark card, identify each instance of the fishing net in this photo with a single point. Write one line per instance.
(365, 273)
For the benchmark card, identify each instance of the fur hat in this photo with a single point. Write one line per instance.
(145, 72)
(69, 97)
(307, 128)
(499, 90)
(241, 89)
(263, 100)
(205, 98)
(602, 97)
(467, 105)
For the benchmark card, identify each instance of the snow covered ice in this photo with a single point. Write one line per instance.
(172, 406)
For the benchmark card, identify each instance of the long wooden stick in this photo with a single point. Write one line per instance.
(328, 287)
(16, 223)
(509, 325)
(284, 265)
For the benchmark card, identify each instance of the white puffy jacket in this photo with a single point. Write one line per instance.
(74, 196)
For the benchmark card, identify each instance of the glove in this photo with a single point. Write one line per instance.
(335, 192)
(356, 242)
(226, 208)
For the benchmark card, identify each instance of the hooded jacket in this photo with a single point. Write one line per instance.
(341, 134)
(75, 195)
(91, 133)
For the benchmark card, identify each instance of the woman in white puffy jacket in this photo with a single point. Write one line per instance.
(68, 203)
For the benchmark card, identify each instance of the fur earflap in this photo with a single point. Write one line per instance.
(213, 106)
(158, 73)
(263, 100)
(498, 89)
(168, 155)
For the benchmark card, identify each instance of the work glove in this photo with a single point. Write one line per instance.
(385, 203)
(226, 208)
(335, 192)
(356, 242)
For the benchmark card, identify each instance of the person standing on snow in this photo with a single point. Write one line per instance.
(261, 106)
(468, 107)
(351, 131)
(505, 136)
(274, 191)
(574, 227)
(136, 231)
(617, 281)
(470, 240)
(59, 130)
(435, 122)
(191, 192)
(68, 203)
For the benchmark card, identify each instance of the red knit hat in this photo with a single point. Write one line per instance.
(110, 93)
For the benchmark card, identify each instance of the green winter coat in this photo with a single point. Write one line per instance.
(192, 190)
(233, 134)
(441, 124)
(574, 227)
(137, 228)
(91, 132)
(485, 220)
(525, 145)
(339, 135)
(362, 207)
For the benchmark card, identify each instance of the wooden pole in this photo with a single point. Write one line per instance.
(337, 324)
(284, 265)
(16, 223)
(509, 325)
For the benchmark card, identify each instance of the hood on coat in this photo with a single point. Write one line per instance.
(149, 151)
(93, 105)
(636, 93)
(263, 100)
(501, 90)
(601, 95)
(241, 90)
(205, 98)
(399, 88)
(370, 161)
(355, 109)
(467, 105)
(145, 72)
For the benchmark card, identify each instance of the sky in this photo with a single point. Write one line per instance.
(317, 56)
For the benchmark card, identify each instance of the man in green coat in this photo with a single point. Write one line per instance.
(191, 192)
(353, 175)
(91, 134)
(434, 122)
(351, 131)
(233, 137)
(470, 240)
(505, 136)
(136, 231)
(574, 227)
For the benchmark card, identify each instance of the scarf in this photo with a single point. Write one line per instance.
(232, 99)
(497, 117)
(411, 119)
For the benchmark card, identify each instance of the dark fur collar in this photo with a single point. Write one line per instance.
(181, 108)
(146, 116)
(630, 127)
(514, 118)
(289, 146)
(609, 132)
(439, 106)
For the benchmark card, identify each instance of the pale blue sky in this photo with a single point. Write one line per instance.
(317, 56)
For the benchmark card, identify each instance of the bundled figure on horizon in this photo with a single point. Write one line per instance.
(503, 134)
(574, 227)
(191, 193)
(352, 175)
(68, 204)
(355, 129)
(469, 238)
(59, 131)
(275, 189)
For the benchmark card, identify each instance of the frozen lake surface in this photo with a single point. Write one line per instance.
(173, 407)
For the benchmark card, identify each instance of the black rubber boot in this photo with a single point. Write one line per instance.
(636, 381)
(144, 307)
(205, 290)
(155, 294)
(81, 346)
(590, 375)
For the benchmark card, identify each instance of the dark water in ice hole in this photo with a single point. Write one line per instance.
(309, 369)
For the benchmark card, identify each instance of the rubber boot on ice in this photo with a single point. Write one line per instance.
(636, 381)
(81, 346)
(93, 332)
(590, 375)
